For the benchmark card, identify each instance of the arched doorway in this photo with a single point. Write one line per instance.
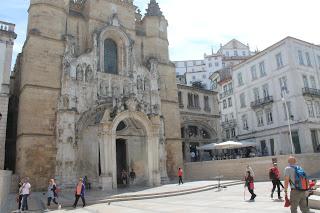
(131, 152)
(195, 134)
(131, 140)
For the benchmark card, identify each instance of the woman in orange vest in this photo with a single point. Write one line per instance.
(79, 192)
(180, 173)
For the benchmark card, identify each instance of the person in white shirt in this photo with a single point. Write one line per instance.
(25, 190)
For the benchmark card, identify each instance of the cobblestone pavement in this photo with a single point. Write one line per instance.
(229, 200)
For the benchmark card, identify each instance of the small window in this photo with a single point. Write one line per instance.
(210, 65)
(235, 53)
(262, 69)
(240, 80)
(229, 102)
(310, 108)
(233, 132)
(216, 64)
(308, 59)
(204, 76)
(269, 117)
(259, 118)
(243, 53)
(300, 56)
(244, 119)
(224, 104)
(279, 60)
(193, 77)
(254, 73)
(283, 85)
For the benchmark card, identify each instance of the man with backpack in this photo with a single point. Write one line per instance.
(297, 178)
(274, 175)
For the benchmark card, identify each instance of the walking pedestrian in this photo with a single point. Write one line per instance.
(52, 193)
(274, 175)
(124, 177)
(79, 192)
(132, 176)
(19, 195)
(180, 174)
(249, 169)
(249, 182)
(25, 191)
(297, 179)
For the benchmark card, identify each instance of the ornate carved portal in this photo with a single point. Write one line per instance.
(92, 104)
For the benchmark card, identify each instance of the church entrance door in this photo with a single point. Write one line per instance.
(121, 150)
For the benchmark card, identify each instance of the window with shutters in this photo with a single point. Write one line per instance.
(110, 57)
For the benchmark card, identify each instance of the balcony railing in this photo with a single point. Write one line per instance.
(262, 102)
(229, 123)
(226, 93)
(310, 92)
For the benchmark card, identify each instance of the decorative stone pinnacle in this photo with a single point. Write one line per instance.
(153, 9)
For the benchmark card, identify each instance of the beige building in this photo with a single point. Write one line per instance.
(7, 37)
(199, 118)
(97, 94)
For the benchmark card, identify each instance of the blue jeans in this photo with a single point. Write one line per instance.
(24, 202)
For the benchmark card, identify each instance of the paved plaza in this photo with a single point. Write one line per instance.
(229, 200)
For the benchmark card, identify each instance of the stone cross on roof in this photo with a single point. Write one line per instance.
(153, 9)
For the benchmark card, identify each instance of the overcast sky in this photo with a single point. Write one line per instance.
(196, 26)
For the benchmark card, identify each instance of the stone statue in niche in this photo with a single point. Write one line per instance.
(79, 73)
(146, 84)
(139, 83)
(89, 74)
(65, 102)
(126, 89)
(104, 87)
(153, 66)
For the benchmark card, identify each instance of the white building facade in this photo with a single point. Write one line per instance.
(7, 37)
(280, 83)
(228, 55)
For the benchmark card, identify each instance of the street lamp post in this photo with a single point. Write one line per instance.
(289, 125)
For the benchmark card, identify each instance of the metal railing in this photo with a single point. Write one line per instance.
(262, 102)
(229, 123)
(310, 91)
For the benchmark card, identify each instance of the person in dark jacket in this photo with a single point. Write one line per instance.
(79, 192)
(274, 175)
(250, 184)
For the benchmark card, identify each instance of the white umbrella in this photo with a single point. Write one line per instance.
(207, 146)
(227, 145)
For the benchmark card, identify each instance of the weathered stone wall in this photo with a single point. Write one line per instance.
(235, 169)
(3, 124)
(5, 183)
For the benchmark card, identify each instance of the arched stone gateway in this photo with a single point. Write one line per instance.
(141, 148)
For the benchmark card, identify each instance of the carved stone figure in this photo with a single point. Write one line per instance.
(69, 52)
(89, 74)
(139, 83)
(79, 73)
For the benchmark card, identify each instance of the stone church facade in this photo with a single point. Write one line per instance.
(97, 94)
